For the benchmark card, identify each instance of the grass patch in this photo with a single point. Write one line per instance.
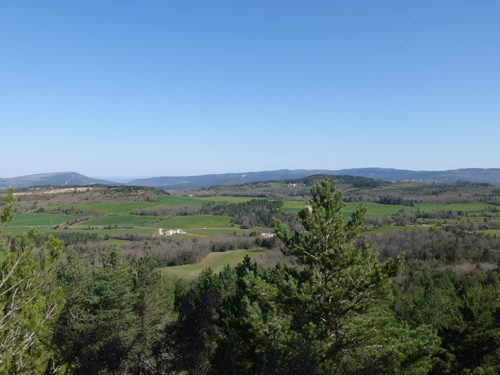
(373, 209)
(227, 199)
(198, 221)
(394, 228)
(378, 209)
(493, 232)
(217, 231)
(216, 261)
(289, 206)
(121, 220)
(110, 232)
(172, 200)
(107, 208)
(453, 207)
(34, 220)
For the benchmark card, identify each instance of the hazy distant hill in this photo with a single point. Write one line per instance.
(491, 176)
(224, 179)
(53, 179)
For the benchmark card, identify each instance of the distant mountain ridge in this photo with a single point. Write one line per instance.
(53, 179)
(478, 175)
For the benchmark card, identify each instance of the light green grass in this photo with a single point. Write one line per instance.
(377, 209)
(373, 209)
(113, 232)
(394, 228)
(135, 220)
(198, 221)
(493, 232)
(15, 231)
(216, 261)
(34, 220)
(217, 231)
(107, 208)
(227, 199)
(453, 207)
(293, 206)
(172, 200)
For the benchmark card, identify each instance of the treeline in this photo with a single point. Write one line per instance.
(169, 251)
(246, 320)
(166, 212)
(460, 192)
(248, 214)
(450, 218)
(354, 181)
(68, 239)
(253, 213)
(446, 246)
(397, 201)
(462, 307)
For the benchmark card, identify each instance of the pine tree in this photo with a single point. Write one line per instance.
(328, 315)
(28, 303)
(340, 294)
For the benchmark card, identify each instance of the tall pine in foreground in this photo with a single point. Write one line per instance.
(28, 303)
(329, 314)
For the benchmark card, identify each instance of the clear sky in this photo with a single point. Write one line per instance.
(191, 87)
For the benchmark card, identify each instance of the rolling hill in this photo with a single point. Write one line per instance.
(477, 175)
(52, 179)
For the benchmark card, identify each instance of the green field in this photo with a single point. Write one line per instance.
(452, 207)
(377, 209)
(34, 220)
(172, 200)
(107, 208)
(15, 231)
(216, 261)
(198, 221)
(394, 228)
(135, 220)
(292, 206)
(111, 232)
(217, 231)
(374, 209)
(227, 199)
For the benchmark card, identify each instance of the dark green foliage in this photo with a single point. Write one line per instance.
(28, 302)
(448, 245)
(69, 238)
(463, 308)
(396, 200)
(111, 314)
(330, 315)
(256, 212)
(355, 181)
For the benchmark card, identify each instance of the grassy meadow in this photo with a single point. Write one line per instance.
(196, 221)
(216, 261)
(120, 220)
(106, 208)
(35, 220)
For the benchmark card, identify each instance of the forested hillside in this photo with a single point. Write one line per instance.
(405, 283)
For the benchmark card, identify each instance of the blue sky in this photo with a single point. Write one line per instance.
(172, 88)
